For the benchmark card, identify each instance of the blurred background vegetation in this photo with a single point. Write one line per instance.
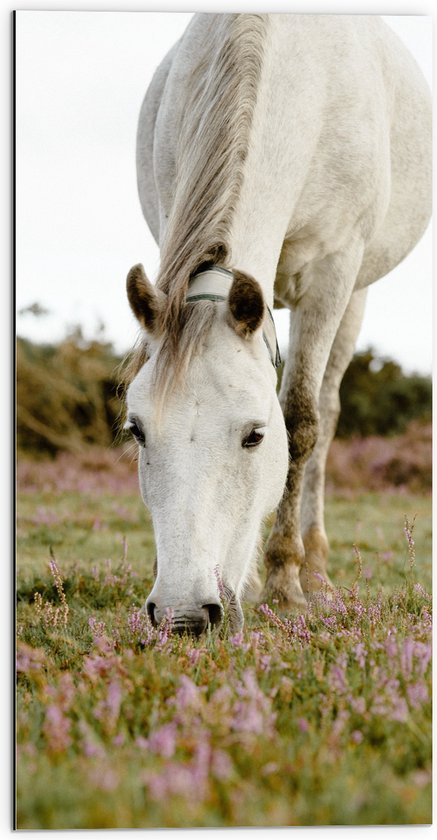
(69, 396)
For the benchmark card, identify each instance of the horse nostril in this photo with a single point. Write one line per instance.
(151, 607)
(215, 614)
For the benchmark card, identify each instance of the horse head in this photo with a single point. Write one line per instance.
(212, 444)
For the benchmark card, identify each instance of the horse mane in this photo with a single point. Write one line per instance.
(221, 94)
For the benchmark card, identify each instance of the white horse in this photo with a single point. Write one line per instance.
(281, 159)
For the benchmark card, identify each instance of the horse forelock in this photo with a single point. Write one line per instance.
(176, 349)
(179, 346)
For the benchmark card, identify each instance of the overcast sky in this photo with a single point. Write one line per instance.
(81, 77)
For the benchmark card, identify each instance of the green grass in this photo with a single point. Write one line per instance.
(318, 721)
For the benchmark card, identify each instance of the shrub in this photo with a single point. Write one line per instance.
(66, 395)
(378, 398)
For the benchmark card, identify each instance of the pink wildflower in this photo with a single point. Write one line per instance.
(358, 705)
(391, 647)
(423, 653)
(417, 694)
(182, 779)
(165, 630)
(29, 659)
(406, 657)
(358, 608)
(91, 748)
(388, 703)
(268, 613)
(221, 765)
(330, 621)
(108, 710)
(220, 584)
(162, 741)
(188, 695)
(43, 516)
(200, 767)
(140, 627)
(194, 655)
(238, 641)
(300, 630)
(421, 591)
(337, 675)
(360, 654)
(374, 613)
(264, 662)
(340, 723)
(339, 605)
(63, 694)
(252, 713)
(98, 628)
(56, 729)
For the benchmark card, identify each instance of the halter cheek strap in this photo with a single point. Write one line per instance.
(214, 284)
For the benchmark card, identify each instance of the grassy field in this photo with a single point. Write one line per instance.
(321, 719)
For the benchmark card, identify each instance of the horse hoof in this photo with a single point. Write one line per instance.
(284, 594)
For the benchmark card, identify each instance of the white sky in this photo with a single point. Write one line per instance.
(81, 77)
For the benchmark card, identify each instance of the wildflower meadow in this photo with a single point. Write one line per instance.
(315, 719)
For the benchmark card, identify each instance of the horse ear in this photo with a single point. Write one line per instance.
(246, 304)
(146, 301)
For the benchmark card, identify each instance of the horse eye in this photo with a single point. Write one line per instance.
(135, 430)
(253, 439)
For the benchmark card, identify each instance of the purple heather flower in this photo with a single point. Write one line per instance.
(417, 694)
(162, 741)
(238, 640)
(406, 657)
(423, 653)
(252, 713)
(56, 729)
(337, 675)
(221, 765)
(391, 647)
(188, 695)
(360, 654)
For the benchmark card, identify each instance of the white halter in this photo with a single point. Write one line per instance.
(214, 283)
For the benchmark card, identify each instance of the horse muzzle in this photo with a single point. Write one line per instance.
(186, 619)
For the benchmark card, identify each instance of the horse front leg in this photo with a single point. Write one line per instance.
(313, 325)
(314, 570)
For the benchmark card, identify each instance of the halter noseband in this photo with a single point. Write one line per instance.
(214, 283)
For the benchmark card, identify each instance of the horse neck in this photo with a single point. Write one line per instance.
(225, 212)
(262, 215)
